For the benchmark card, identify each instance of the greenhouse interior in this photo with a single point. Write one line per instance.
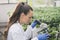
(46, 12)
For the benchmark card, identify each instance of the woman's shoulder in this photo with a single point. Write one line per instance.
(15, 27)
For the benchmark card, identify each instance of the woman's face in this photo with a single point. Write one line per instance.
(26, 19)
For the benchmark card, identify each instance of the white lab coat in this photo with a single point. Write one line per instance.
(16, 32)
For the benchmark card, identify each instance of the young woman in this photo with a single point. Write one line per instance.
(22, 15)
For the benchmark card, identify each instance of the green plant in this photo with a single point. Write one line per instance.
(51, 16)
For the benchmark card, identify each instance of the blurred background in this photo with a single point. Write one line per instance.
(48, 11)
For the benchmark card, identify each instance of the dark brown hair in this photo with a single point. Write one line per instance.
(21, 7)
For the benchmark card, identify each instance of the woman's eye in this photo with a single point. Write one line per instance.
(30, 17)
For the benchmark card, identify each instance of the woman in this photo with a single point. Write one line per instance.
(22, 15)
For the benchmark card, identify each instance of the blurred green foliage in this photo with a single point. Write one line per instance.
(51, 16)
(48, 14)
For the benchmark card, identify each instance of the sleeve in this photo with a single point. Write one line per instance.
(28, 32)
(18, 36)
(34, 38)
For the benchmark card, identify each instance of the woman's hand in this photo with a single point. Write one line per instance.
(43, 36)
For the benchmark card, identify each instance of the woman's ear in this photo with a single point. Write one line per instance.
(22, 14)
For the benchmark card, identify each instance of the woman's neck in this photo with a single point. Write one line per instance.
(20, 22)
